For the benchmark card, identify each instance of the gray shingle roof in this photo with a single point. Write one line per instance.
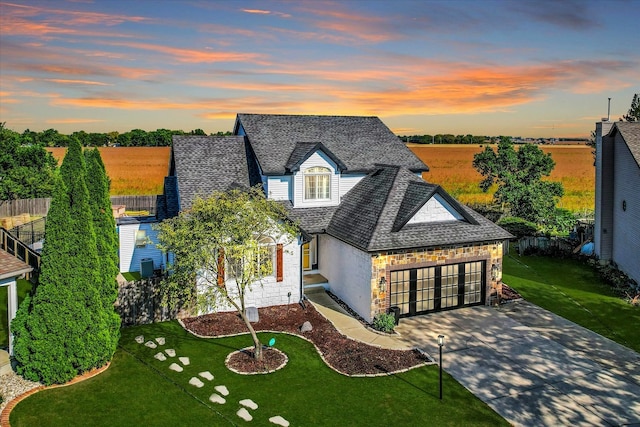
(204, 164)
(311, 220)
(358, 142)
(630, 132)
(372, 211)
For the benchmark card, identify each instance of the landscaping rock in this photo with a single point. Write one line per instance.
(150, 344)
(216, 398)
(140, 339)
(170, 352)
(306, 327)
(279, 421)
(249, 404)
(175, 367)
(195, 381)
(160, 356)
(184, 360)
(160, 340)
(206, 375)
(244, 414)
(252, 314)
(223, 390)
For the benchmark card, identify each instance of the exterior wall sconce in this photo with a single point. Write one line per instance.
(440, 345)
(494, 272)
(382, 285)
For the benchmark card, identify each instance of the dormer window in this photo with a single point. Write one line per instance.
(317, 183)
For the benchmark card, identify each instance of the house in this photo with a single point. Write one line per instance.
(374, 232)
(11, 268)
(617, 216)
(137, 249)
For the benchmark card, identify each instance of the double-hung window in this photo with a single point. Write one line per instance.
(317, 183)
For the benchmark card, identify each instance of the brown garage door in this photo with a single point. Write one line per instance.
(429, 289)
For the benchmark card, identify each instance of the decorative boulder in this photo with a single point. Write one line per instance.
(306, 327)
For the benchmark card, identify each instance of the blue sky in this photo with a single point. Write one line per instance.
(520, 68)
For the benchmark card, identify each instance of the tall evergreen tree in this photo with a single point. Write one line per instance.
(633, 115)
(64, 329)
(106, 237)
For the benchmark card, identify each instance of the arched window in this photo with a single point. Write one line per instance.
(317, 183)
(266, 256)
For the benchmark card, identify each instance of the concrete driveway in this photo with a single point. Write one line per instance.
(532, 367)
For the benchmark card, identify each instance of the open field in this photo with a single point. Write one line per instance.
(132, 170)
(141, 170)
(451, 167)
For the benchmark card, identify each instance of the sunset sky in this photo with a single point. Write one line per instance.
(520, 68)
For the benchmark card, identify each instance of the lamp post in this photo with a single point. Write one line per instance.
(440, 345)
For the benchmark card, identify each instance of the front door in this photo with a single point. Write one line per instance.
(309, 255)
(429, 289)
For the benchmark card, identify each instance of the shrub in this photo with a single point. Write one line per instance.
(519, 227)
(384, 322)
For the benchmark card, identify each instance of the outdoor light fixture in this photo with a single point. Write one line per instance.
(440, 345)
(494, 271)
(383, 284)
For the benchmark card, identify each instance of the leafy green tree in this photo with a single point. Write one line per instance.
(519, 174)
(64, 329)
(633, 115)
(218, 249)
(26, 171)
(104, 226)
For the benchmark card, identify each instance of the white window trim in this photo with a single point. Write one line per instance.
(316, 171)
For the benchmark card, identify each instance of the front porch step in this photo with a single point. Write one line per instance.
(314, 279)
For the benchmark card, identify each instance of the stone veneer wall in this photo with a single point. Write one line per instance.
(385, 262)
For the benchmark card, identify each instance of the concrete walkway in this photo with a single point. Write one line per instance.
(532, 367)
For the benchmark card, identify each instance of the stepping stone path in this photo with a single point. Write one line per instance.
(279, 421)
(175, 367)
(249, 404)
(244, 414)
(223, 390)
(197, 382)
(206, 375)
(216, 398)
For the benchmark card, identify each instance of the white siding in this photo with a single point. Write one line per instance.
(130, 255)
(271, 292)
(279, 187)
(626, 223)
(348, 271)
(436, 209)
(316, 159)
(348, 181)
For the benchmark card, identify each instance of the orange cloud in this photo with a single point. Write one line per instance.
(258, 11)
(73, 121)
(192, 55)
(75, 82)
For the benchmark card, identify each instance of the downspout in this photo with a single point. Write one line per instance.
(302, 297)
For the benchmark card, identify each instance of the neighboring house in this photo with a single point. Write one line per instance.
(138, 251)
(376, 234)
(11, 268)
(617, 217)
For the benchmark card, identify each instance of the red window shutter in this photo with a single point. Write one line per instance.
(279, 269)
(220, 267)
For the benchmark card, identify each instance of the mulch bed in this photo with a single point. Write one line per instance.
(343, 354)
(243, 361)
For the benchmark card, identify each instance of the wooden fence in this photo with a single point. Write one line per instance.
(139, 302)
(544, 244)
(9, 208)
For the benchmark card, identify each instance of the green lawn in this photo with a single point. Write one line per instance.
(24, 286)
(140, 390)
(573, 290)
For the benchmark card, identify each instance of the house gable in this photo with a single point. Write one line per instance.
(317, 160)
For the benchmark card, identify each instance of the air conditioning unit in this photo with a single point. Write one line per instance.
(146, 267)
